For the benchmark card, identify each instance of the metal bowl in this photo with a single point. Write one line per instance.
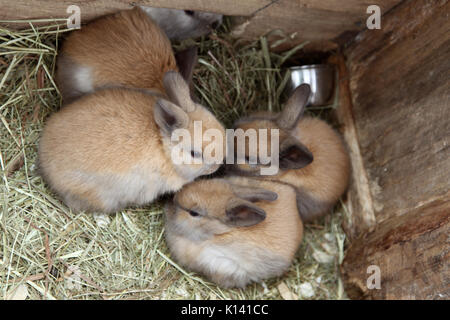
(321, 79)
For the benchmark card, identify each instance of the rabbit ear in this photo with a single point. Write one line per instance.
(186, 61)
(169, 117)
(242, 213)
(254, 194)
(178, 90)
(295, 107)
(294, 155)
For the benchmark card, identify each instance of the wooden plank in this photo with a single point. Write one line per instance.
(401, 96)
(296, 21)
(360, 217)
(400, 92)
(21, 9)
(321, 22)
(412, 253)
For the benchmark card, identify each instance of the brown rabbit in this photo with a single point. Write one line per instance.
(112, 148)
(234, 230)
(312, 156)
(124, 49)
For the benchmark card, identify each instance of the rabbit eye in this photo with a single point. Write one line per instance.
(189, 12)
(193, 213)
(196, 154)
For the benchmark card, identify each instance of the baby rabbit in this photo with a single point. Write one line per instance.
(234, 230)
(184, 24)
(312, 156)
(124, 49)
(112, 148)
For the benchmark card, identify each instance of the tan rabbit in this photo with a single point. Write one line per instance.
(112, 148)
(312, 156)
(124, 49)
(234, 230)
